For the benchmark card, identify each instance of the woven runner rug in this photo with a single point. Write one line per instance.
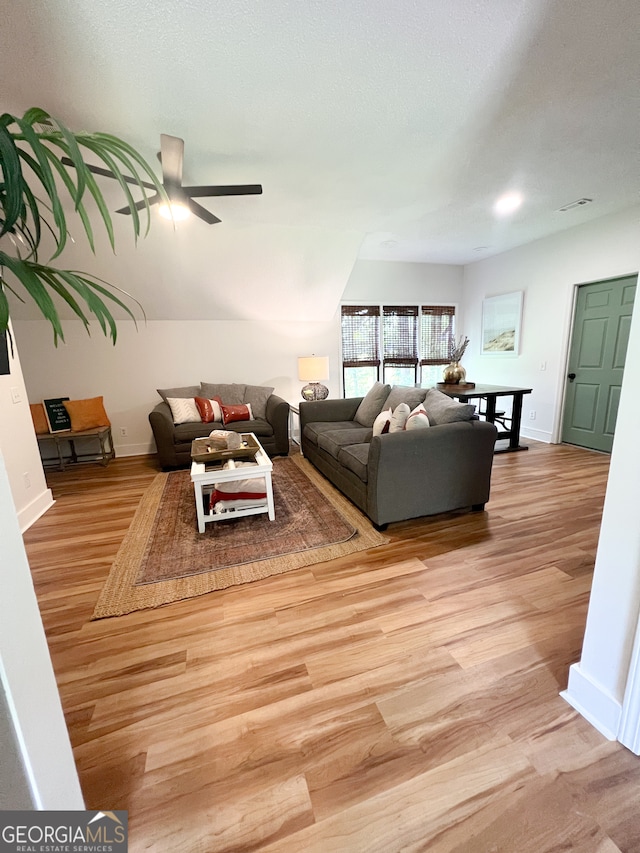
(164, 559)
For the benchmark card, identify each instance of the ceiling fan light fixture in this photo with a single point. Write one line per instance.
(176, 211)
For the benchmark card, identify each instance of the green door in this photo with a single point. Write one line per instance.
(596, 362)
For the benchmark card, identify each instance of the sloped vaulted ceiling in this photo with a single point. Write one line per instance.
(378, 130)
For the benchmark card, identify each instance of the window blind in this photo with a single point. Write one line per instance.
(436, 333)
(360, 336)
(400, 335)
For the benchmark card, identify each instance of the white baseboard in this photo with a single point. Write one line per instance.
(595, 703)
(133, 449)
(536, 434)
(32, 512)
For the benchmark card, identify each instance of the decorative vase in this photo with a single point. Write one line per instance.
(454, 374)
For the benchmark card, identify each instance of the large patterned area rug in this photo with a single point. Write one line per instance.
(164, 559)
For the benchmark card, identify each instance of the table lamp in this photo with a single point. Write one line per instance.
(313, 369)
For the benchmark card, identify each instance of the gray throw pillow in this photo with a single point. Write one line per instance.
(231, 395)
(441, 409)
(257, 396)
(405, 394)
(372, 404)
(187, 391)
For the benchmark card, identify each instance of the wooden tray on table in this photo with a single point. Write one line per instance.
(203, 450)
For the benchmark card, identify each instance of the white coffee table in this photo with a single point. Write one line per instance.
(204, 480)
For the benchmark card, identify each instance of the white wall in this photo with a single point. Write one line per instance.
(598, 682)
(166, 353)
(19, 446)
(385, 281)
(547, 271)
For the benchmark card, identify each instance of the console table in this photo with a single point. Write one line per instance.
(104, 455)
(490, 394)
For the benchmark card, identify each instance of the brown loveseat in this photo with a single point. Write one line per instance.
(270, 422)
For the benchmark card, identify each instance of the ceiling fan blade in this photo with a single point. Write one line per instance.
(171, 157)
(98, 170)
(238, 189)
(199, 210)
(140, 205)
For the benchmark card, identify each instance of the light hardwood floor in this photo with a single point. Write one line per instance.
(401, 699)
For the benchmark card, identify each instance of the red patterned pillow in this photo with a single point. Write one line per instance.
(236, 413)
(210, 411)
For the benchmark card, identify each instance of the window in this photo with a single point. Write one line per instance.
(437, 331)
(410, 342)
(360, 348)
(400, 344)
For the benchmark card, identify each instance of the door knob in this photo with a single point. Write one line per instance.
(571, 377)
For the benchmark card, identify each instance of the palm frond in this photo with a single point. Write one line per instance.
(43, 146)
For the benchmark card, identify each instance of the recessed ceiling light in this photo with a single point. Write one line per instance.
(579, 203)
(507, 203)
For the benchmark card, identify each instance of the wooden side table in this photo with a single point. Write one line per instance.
(104, 456)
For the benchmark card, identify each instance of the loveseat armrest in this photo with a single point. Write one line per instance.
(328, 410)
(277, 414)
(163, 428)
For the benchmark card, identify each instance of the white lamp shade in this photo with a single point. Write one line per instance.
(313, 368)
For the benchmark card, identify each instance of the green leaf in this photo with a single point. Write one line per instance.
(23, 271)
(47, 180)
(12, 175)
(80, 208)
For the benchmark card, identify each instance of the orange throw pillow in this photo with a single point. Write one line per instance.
(39, 418)
(236, 413)
(210, 411)
(87, 414)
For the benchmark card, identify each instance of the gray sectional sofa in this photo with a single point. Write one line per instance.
(270, 421)
(405, 474)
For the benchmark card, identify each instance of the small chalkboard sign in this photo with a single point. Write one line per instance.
(57, 416)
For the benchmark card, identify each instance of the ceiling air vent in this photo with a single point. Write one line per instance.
(579, 203)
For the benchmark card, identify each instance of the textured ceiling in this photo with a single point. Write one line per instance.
(398, 122)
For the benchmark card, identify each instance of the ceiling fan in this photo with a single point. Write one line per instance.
(171, 156)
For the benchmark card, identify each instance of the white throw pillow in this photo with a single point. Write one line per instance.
(382, 423)
(400, 417)
(184, 410)
(418, 419)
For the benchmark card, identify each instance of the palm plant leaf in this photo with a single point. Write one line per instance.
(35, 141)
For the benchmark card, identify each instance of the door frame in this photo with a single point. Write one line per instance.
(561, 394)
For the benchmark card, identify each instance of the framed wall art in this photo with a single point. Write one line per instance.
(501, 321)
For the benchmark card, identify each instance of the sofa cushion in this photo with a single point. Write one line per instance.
(184, 410)
(441, 409)
(256, 396)
(185, 391)
(355, 458)
(399, 418)
(187, 432)
(230, 394)
(405, 394)
(334, 440)
(315, 429)
(372, 404)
